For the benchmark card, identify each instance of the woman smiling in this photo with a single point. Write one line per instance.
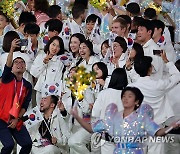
(47, 67)
(87, 54)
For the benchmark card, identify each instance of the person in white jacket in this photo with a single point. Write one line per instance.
(51, 140)
(110, 95)
(47, 67)
(174, 147)
(144, 37)
(79, 137)
(119, 57)
(135, 53)
(87, 54)
(75, 25)
(161, 40)
(155, 92)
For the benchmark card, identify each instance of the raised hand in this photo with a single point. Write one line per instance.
(61, 106)
(128, 64)
(14, 44)
(74, 112)
(47, 58)
(164, 57)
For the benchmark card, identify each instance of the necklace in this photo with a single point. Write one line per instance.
(44, 128)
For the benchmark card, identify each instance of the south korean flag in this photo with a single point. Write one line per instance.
(33, 117)
(53, 88)
(112, 37)
(66, 33)
(95, 36)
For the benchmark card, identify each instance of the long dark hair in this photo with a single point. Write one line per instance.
(139, 51)
(61, 44)
(118, 79)
(8, 38)
(79, 36)
(103, 67)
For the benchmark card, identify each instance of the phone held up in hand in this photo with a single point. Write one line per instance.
(23, 44)
(157, 52)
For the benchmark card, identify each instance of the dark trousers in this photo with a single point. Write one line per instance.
(22, 138)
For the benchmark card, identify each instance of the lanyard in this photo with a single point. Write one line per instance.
(20, 88)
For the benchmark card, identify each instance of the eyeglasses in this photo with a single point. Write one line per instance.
(19, 62)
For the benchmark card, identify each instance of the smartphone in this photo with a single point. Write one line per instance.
(157, 52)
(23, 42)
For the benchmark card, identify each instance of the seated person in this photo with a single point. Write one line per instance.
(51, 135)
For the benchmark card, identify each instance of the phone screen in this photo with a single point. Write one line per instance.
(24, 42)
(157, 52)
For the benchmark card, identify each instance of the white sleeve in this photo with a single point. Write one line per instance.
(88, 99)
(96, 111)
(132, 75)
(64, 132)
(38, 66)
(172, 80)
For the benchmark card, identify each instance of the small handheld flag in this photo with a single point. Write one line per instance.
(95, 36)
(34, 117)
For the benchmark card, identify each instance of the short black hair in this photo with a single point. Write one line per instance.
(136, 22)
(54, 25)
(8, 38)
(31, 28)
(150, 13)
(138, 95)
(77, 10)
(61, 44)
(41, 5)
(148, 25)
(93, 18)
(103, 67)
(82, 2)
(143, 65)
(133, 8)
(54, 11)
(54, 100)
(122, 43)
(118, 79)
(158, 24)
(26, 17)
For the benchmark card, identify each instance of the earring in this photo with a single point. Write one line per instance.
(137, 105)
